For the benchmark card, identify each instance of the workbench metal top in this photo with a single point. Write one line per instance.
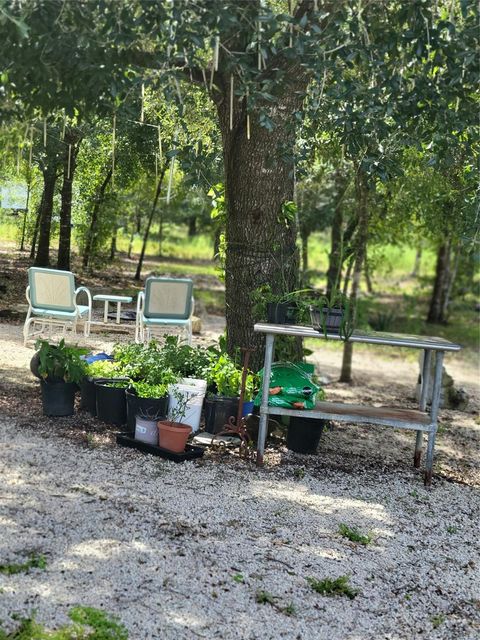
(366, 337)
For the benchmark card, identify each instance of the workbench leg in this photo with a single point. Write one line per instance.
(425, 383)
(437, 388)
(267, 368)
(105, 312)
(119, 306)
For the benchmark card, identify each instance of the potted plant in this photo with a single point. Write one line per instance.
(173, 433)
(280, 308)
(224, 379)
(95, 371)
(146, 403)
(61, 369)
(333, 315)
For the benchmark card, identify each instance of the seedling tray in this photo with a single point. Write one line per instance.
(190, 453)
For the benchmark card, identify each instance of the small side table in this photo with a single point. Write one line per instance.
(107, 298)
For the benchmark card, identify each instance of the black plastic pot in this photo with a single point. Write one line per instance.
(111, 402)
(58, 398)
(88, 398)
(148, 408)
(303, 434)
(218, 410)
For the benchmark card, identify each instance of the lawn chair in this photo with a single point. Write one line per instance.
(165, 302)
(52, 301)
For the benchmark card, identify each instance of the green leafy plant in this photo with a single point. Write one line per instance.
(103, 369)
(354, 535)
(335, 301)
(60, 362)
(35, 561)
(333, 587)
(263, 597)
(146, 390)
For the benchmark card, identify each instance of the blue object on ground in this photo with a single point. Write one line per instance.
(98, 356)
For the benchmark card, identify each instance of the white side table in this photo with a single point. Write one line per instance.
(107, 298)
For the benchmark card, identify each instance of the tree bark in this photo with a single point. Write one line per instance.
(260, 245)
(99, 198)
(72, 140)
(436, 309)
(450, 281)
(42, 258)
(361, 190)
(138, 272)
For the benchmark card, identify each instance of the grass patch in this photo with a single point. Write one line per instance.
(213, 300)
(263, 597)
(36, 561)
(88, 624)
(354, 535)
(334, 587)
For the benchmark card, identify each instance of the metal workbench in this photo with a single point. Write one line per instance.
(419, 420)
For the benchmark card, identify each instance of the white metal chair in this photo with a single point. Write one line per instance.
(52, 301)
(165, 302)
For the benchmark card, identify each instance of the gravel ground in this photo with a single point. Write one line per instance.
(180, 551)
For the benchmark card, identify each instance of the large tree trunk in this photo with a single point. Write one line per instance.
(113, 245)
(436, 310)
(72, 138)
(192, 226)
(361, 190)
(92, 231)
(260, 245)
(138, 272)
(304, 237)
(42, 258)
(25, 216)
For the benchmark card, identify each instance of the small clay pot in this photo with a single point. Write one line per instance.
(173, 436)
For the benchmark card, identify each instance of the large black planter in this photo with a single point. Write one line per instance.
(148, 408)
(111, 402)
(218, 410)
(58, 398)
(303, 434)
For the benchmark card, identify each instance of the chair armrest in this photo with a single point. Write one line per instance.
(87, 291)
(27, 295)
(192, 308)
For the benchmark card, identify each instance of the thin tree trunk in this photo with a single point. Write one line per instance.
(113, 245)
(450, 282)
(418, 261)
(130, 244)
(360, 254)
(436, 309)
(336, 256)
(138, 272)
(35, 231)
(346, 282)
(304, 238)
(72, 140)
(42, 258)
(368, 279)
(192, 226)
(24, 226)
(90, 241)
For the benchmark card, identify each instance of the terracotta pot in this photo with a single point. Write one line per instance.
(173, 436)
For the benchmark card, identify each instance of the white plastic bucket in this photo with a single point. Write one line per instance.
(194, 392)
(146, 431)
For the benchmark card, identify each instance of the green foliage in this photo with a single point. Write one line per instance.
(35, 561)
(60, 362)
(88, 624)
(103, 369)
(333, 587)
(263, 597)
(354, 535)
(145, 390)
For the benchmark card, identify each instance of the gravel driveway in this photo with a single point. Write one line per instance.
(208, 550)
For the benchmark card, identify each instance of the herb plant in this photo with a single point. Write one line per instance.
(60, 362)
